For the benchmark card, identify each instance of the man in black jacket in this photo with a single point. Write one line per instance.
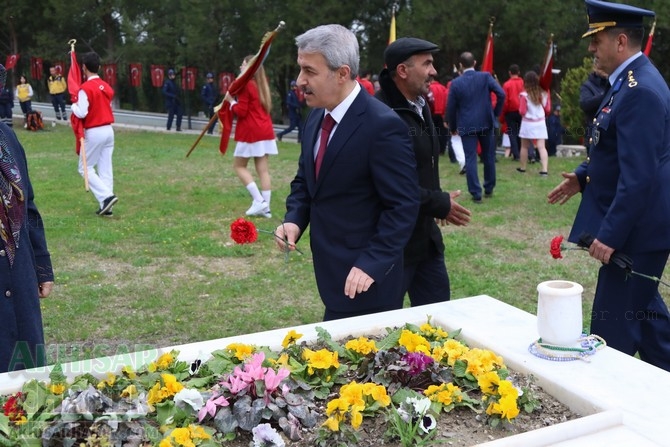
(403, 84)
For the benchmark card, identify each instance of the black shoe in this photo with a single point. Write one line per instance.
(178, 129)
(477, 200)
(107, 204)
(279, 137)
(522, 171)
(462, 172)
(488, 195)
(105, 214)
(209, 132)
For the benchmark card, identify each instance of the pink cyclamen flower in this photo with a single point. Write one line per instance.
(211, 405)
(273, 379)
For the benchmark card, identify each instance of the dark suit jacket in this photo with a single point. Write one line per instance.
(469, 106)
(626, 199)
(20, 311)
(363, 207)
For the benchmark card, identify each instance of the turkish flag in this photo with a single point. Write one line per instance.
(73, 86)
(109, 74)
(36, 68)
(547, 66)
(225, 79)
(11, 61)
(188, 76)
(487, 64)
(157, 75)
(135, 75)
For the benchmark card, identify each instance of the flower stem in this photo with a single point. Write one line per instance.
(284, 240)
(653, 278)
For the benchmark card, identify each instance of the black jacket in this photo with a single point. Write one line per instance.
(426, 239)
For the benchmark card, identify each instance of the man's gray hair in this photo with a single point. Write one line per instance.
(335, 43)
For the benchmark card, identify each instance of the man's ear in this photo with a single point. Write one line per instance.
(344, 73)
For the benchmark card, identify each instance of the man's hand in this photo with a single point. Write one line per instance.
(357, 282)
(600, 251)
(566, 189)
(45, 289)
(286, 235)
(458, 214)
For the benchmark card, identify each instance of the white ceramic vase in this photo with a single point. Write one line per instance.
(559, 312)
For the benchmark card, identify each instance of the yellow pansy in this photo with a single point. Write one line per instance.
(413, 342)
(128, 372)
(321, 359)
(378, 393)
(182, 436)
(332, 423)
(337, 406)
(455, 350)
(197, 432)
(241, 350)
(57, 388)
(130, 391)
(361, 345)
(356, 419)
(111, 379)
(488, 382)
(290, 338)
(165, 443)
(171, 385)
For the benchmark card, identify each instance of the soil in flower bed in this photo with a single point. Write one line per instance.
(460, 427)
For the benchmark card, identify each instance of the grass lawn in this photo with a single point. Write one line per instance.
(163, 270)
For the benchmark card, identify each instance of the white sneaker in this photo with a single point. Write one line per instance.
(258, 208)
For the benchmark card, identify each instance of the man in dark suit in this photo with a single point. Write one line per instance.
(360, 193)
(403, 84)
(472, 116)
(625, 186)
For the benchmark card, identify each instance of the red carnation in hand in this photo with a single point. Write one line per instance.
(243, 232)
(555, 249)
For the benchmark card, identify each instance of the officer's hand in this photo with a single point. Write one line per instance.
(566, 189)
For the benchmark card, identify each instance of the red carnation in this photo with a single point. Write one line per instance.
(243, 232)
(555, 249)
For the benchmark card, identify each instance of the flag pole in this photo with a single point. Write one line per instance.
(82, 149)
(215, 115)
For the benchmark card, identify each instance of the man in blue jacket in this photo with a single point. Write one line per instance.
(625, 186)
(208, 95)
(172, 101)
(472, 116)
(294, 112)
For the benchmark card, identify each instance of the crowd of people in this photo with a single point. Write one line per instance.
(371, 149)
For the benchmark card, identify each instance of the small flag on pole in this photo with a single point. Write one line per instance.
(650, 39)
(548, 65)
(487, 60)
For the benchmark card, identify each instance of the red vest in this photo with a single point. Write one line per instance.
(512, 88)
(100, 96)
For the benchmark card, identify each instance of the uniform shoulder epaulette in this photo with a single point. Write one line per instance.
(631, 79)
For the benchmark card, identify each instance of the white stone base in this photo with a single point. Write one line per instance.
(568, 150)
(624, 400)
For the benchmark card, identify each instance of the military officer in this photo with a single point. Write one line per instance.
(625, 186)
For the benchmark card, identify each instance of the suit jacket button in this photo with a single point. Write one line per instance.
(588, 159)
(588, 179)
(590, 140)
(3, 253)
(594, 120)
(8, 293)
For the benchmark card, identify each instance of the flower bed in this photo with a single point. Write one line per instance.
(316, 394)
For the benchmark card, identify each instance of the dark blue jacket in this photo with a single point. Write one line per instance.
(207, 94)
(469, 107)
(19, 301)
(171, 93)
(363, 207)
(626, 179)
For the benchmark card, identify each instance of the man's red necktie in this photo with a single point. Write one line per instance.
(326, 127)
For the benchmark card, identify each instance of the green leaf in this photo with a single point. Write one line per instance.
(390, 341)
(460, 368)
(4, 425)
(325, 337)
(165, 412)
(36, 395)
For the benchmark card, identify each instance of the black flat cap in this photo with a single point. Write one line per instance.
(402, 49)
(603, 15)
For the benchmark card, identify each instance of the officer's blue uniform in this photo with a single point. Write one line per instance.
(626, 198)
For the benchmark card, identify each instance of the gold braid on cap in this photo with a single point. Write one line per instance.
(596, 27)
